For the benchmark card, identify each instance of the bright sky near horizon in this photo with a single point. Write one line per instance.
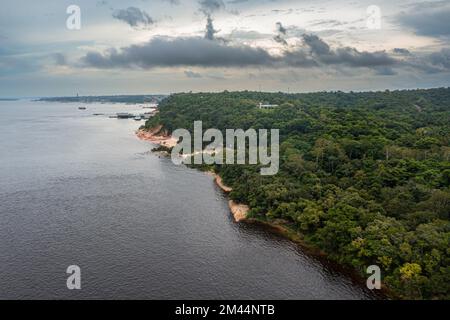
(164, 46)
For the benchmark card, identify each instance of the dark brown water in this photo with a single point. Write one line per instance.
(77, 189)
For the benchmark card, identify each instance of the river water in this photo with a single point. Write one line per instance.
(79, 189)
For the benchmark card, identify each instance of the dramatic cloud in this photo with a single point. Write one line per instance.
(441, 59)
(322, 52)
(431, 21)
(415, 39)
(133, 16)
(164, 52)
(280, 28)
(317, 45)
(281, 33)
(203, 52)
(210, 31)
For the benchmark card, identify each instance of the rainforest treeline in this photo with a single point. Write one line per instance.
(363, 176)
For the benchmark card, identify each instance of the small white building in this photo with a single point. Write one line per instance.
(267, 106)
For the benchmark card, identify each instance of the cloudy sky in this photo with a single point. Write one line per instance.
(164, 46)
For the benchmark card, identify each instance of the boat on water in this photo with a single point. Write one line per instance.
(124, 115)
(82, 108)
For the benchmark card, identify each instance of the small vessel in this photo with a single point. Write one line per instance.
(82, 108)
(138, 118)
(123, 115)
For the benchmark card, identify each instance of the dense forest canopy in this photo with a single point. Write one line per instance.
(363, 176)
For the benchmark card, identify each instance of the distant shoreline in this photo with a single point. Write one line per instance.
(130, 99)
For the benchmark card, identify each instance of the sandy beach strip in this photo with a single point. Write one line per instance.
(219, 182)
(238, 210)
(155, 136)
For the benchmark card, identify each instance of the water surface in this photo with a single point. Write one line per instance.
(79, 189)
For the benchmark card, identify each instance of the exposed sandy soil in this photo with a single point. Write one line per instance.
(239, 211)
(156, 136)
(221, 185)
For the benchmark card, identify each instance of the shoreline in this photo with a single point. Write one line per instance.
(281, 227)
(218, 180)
(157, 136)
(240, 211)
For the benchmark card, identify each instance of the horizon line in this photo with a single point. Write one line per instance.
(217, 91)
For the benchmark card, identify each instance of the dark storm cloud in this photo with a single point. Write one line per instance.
(441, 59)
(317, 45)
(201, 52)
(432, 21)
(322, 53)
(298, 58)
(133, 16)
(428, 63)
(281, 33)
(280, 28)
(163, 52)
(210, 31)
